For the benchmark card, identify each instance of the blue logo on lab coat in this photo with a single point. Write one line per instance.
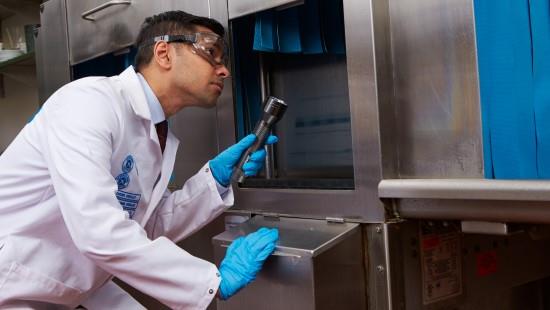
(123, 179)
(128, 201)
(128, 164)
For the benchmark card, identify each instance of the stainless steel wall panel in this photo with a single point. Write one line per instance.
(384, 84)
(363, 59)
(436, 93)
(384, 272)
(115, 27)
(52, 49)
(237, 8)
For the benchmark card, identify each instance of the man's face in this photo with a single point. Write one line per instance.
(199, 79)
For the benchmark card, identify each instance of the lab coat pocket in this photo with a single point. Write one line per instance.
(20, 282)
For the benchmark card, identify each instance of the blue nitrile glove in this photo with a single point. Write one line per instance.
(244, 258)
(223, 164)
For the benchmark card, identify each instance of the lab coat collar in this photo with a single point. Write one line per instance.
(130, 81)
(138, 100)
(157, 114)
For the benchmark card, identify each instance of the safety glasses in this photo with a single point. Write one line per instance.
(208, 45)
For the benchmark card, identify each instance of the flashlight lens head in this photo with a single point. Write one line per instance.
(275, 106)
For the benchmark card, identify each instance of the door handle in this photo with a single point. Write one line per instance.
(275, 253)
(86, 15)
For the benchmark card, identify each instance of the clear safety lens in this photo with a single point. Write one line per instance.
(208, 45)
(211, 47)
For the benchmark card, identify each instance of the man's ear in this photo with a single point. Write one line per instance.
(161, 55)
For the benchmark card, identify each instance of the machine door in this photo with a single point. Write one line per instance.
(114, 24)
(317, 56)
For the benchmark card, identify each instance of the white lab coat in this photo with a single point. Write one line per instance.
(63, 232)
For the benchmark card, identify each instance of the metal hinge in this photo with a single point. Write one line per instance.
(335, 220)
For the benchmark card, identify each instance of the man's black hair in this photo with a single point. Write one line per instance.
(172, 22)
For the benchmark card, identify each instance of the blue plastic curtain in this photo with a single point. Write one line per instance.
(513, 44)
(540, 29)
(315, 27)
(265, 32)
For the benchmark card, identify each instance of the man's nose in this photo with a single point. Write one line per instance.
(222, 71)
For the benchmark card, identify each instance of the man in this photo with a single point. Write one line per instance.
(83, 192)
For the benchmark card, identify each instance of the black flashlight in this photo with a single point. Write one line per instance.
(274, 109)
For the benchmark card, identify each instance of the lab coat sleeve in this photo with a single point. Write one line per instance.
(187, 210)
(80, 128)
(111, 296)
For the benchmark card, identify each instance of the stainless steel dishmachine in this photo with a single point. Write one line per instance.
(377, 183)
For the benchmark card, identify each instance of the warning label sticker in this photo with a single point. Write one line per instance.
(441, 262)
(486, 263)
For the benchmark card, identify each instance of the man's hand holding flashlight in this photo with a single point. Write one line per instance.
(223, 164)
